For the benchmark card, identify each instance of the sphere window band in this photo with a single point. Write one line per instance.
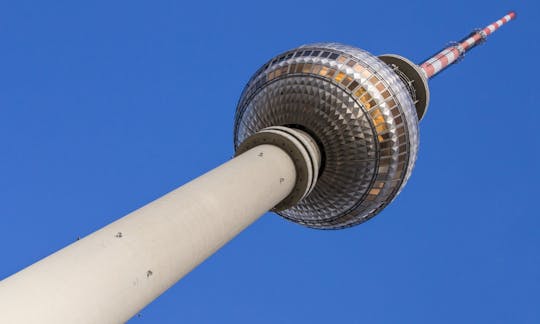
(353, 102)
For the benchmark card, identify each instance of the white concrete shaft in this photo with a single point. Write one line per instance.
(110, 275)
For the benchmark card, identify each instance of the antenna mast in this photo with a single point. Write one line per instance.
(455, 52)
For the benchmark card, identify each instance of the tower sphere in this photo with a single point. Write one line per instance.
(360, 113)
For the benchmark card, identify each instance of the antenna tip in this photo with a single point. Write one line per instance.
(512, 14)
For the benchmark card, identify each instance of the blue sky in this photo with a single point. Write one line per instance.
(107, 105)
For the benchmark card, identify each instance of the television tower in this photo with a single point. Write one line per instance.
(326, 135)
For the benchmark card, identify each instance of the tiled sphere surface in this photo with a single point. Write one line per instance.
(359, 112)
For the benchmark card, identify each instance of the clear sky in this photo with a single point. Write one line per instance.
(107, 105)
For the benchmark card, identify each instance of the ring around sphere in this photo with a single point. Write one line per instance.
(303, 152)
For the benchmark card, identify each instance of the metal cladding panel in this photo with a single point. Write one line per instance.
(360, 113)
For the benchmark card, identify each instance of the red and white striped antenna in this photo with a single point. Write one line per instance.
(453, 53)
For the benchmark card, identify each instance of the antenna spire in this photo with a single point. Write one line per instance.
(454, 52)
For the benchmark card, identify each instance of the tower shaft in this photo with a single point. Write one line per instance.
(110, 275)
